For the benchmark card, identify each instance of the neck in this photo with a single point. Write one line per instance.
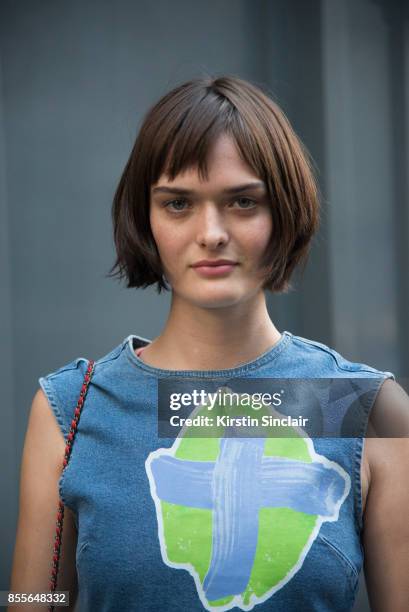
(197, 338)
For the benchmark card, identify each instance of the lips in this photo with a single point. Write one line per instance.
(214, 269)
(215, 263)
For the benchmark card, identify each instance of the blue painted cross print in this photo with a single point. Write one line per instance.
(228, 505)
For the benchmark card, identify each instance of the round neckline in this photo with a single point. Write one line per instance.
(269, 355)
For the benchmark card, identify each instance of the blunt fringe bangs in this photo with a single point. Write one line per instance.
(176, 134)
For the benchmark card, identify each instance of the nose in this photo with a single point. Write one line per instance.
(212, 231)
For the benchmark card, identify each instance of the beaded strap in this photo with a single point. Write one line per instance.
(67, 454)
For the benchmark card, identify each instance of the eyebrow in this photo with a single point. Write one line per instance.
(227, 190)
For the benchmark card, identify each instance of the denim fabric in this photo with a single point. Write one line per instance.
(136, 553)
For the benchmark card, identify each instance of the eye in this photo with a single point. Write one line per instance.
(245, 200)
(169, 205)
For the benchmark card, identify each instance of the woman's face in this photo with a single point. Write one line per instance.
(226, 217)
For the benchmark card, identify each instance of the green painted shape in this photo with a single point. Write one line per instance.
(283, 533)
(198, 449)
(188, 535)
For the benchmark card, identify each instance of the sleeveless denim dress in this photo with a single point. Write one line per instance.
(153, 537)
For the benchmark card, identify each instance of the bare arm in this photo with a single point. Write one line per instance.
(386, 518)
(41, 467)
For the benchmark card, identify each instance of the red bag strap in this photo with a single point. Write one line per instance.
(67, 454)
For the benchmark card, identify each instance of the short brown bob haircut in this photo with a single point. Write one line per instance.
(176, 134)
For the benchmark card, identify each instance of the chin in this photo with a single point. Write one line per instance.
(216, 297)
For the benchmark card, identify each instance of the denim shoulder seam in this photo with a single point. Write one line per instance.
(322, 348)
(332, 353)
(114, 354)
(72, 365)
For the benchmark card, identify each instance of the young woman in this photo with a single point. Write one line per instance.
(217, 203)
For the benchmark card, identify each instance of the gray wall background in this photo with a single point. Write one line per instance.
(75, 79)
